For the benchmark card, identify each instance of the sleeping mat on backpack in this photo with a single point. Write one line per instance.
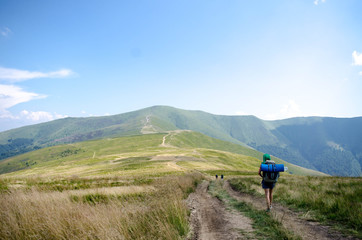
(272, 168)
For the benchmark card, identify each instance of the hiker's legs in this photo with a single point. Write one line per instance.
(267, 197)
(270, 197)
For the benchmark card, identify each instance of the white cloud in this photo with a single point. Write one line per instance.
(37, 116)
(5, 31)
(12, 95)
(360, 73)
(291, 109)
(241, 113)
(57, 115)
(288, 110)
(316, 2)
(16, 75)
(6, 114)
(357, 58)
(40, 116)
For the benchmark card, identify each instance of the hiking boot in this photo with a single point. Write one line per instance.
(267, 210)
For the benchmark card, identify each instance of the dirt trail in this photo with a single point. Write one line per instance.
(290, 220)
(211, 220)
(170, 135)
(148, 128)
(163, 144)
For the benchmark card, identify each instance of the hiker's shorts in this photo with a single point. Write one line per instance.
(267, 185)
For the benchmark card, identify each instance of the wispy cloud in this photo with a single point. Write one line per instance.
(40, 116)
(291, 109)
(241, 113)
(357, 58)
(316, 2)
(5, 31)
(16, 75)
(288, 110)
(12, 95)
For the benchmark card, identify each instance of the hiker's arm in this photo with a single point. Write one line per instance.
(260, 172)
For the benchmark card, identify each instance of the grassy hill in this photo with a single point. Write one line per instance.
(135, 186)
(330, 145)
(149, 154)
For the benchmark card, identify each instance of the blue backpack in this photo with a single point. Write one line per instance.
(270, 177)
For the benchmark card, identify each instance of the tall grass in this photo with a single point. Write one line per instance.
(336, 200)
(158, 212)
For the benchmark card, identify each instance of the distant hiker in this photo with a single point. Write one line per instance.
(216, 176)
(222, 176)
(269, 180)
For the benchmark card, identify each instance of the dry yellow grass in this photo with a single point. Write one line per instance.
(153, 211)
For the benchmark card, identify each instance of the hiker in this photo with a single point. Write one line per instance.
(268, 182)
(216, 176)
(222, 176)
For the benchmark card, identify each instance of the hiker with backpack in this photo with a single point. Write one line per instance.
(269, 180)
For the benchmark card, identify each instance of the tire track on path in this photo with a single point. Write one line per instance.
(211, 220)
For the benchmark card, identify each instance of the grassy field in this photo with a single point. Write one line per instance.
(183, 150)
(115, 188)
(333, 200)
(136, 155)
(95, 208)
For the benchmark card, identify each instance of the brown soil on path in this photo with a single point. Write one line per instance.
(290, 219)
(211, 220)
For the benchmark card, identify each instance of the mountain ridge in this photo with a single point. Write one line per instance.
(326, 144)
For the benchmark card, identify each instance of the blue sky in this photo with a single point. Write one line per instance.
(272, 59)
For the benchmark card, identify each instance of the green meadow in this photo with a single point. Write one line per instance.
(114, 188)
(136, 186)
(335, 201)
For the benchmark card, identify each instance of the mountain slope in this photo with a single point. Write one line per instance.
(331, 145)
(159, 153)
